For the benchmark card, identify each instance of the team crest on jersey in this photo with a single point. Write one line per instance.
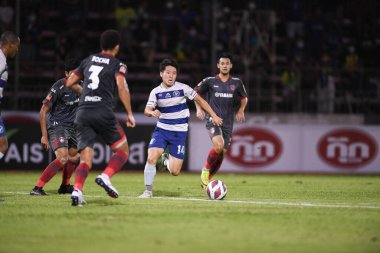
(176, 93)
(233, 87)
(61, 139)
(123, 69)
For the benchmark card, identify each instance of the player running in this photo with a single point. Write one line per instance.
(57, 116)
(167, 102)
(221, 91)
(9, 44)
(103, 75)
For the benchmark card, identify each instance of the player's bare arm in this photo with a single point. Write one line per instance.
(200, 113)
(44, 139)
(125, 98)
(205, 106)
(73, 83)
(240, 113)
(151, 112)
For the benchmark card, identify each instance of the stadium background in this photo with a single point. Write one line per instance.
(310, 69)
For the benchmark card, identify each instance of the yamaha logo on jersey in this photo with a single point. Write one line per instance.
(223, 95)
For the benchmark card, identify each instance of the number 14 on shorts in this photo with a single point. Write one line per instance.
(180, 149)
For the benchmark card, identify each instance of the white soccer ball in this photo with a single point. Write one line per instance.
(216, 190)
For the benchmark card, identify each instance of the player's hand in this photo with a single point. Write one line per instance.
(201, 114)
(216, 120)
(156, 113)
(240, 116)
(131, 121)
(45, 142)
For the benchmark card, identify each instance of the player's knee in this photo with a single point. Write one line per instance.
(175, 172)
(152, 160)
(74, 159)
(219, 149)
(4, 149)
(3, 146)
(62, 159)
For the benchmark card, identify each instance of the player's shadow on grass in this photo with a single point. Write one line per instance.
(104, 202)
(166, 194)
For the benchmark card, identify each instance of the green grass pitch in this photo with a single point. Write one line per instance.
(261, 213)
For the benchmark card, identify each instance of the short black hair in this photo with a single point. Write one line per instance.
(168, 62)
(109, 39)
(71, 64)
(225, 55)
(8, 37)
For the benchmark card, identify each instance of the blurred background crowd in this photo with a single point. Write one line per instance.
(295, 56)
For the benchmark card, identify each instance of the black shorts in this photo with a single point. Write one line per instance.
(225, 132)
(93, 122)
(62, 136)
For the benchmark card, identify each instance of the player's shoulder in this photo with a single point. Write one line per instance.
(181, 85)
(237, 79)
(209, 78)
(59, 84)
(157, 89)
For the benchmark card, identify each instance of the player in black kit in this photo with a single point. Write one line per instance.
(221, 92)
(57, 116)
(103, 75)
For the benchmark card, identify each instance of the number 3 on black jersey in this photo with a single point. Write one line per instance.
(94, 77)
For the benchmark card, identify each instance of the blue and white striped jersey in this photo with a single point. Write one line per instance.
(3, 73)
(171, 102)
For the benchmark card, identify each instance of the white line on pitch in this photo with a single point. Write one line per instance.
(272, 203)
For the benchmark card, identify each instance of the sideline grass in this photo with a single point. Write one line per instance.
(170, 224)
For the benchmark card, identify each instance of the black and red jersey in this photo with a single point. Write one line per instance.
(98, 72)
(63, 103)
(222, 96)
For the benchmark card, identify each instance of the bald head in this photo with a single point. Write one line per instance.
(9, 43)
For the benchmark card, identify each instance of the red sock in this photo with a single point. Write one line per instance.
(118, 159)
(211, 159)
(80, 175)
(216, 165)
(68, 170)
(49, 172)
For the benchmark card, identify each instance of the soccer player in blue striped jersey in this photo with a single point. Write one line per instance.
(9, 44)
(167, 102)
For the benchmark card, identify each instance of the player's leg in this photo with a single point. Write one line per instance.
(150, 170)
(218, 162)
(59, 143)
(216, 136)
(68, 169)
(156, 147)
(119, 144)
(81, 173)
(72, 162)
(3, 146)
(177, 145)
(174, 165)
(3, 140)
